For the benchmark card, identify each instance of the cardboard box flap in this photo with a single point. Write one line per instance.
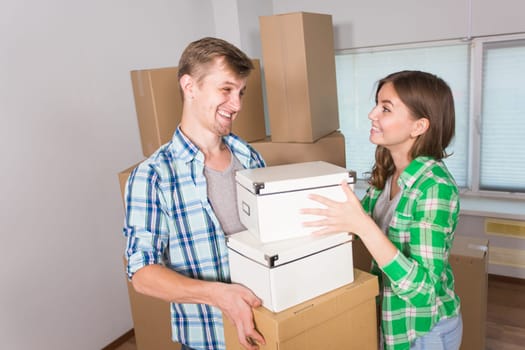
(273, 254)
(289, 323)
(470, 247)
(290, 177)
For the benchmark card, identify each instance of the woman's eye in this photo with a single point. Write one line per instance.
(385, 109)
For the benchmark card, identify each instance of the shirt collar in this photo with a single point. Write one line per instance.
(183, 148)
(414, 170)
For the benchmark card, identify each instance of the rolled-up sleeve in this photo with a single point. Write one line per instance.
(145, 222)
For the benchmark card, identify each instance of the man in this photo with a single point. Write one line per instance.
(181, 203)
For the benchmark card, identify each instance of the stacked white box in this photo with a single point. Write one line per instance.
(276, 257)
(288, 272)
(270, 199)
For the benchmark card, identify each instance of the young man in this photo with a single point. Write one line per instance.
(181, 203)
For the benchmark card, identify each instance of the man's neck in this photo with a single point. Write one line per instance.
(216, 153)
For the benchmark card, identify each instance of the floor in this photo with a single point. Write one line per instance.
(505, 316)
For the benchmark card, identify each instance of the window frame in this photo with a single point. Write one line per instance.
(475, 118)
(475, 84)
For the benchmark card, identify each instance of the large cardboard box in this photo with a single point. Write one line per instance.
(469, 261)
(275, 272)
(269, 199)
(342, 319)
(151, 316)
(123, 178)
(299, 70)
(151, 322)
(330, 148)
(158, 104)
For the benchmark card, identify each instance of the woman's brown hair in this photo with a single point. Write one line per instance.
(426, 96)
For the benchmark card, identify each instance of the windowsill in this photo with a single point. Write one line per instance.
(478, 205)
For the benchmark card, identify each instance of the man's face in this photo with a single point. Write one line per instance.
(218, 98)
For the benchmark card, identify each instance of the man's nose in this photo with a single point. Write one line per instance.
(235, 102)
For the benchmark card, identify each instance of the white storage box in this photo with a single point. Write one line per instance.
(270, 199)
(288, 272)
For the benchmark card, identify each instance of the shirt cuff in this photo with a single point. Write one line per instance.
(139, 260)
(398, 268)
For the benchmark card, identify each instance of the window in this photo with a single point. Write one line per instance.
(502, 151)
(479, 158)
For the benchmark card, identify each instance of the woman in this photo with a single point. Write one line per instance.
(408, 216)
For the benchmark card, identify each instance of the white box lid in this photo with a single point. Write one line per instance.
(291, 177)
(277, 253)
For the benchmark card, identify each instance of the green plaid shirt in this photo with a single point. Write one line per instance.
(418, 284)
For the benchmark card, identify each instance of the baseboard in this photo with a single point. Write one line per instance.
(506, 279)
(120, 340)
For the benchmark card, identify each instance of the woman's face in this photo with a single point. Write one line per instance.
(393, 125)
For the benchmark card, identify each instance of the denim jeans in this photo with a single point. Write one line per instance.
(446, 335)
(184, 347)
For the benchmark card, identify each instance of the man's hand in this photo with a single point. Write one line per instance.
(236, 302)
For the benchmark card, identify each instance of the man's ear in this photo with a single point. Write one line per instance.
(186, 83)
(420, 126)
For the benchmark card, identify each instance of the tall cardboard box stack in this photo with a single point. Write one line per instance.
(299, 68)
(301, 89)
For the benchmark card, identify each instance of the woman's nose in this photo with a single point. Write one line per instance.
(372, 115)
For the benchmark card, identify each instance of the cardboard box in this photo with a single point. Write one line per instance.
(469, 261)
(362, 257)
(151, 322)
(275, 272)
(299, 70)
(269, 199)
(342, 319)
(330, 148)
(151, 316)
(123, 178)
(158, 103)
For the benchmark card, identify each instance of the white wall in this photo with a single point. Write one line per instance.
(382, 22)
(238, 22)
(67, 126)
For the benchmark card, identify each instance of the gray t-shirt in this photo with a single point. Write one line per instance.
(384, 208)
(222, 194)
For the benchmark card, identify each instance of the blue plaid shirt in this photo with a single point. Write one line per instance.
(170, 221)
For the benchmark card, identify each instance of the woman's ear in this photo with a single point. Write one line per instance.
(186, 84)
(421, 125)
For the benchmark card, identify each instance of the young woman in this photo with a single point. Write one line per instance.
(408, 215)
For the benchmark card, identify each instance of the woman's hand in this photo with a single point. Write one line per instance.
(347, 216)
